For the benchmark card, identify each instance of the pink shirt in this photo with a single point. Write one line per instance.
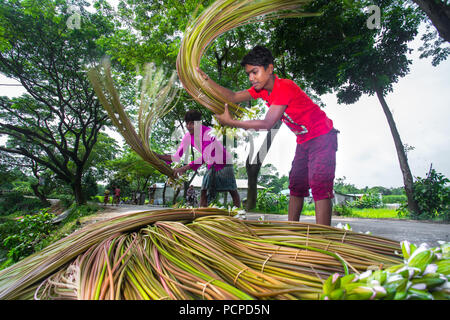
(212, 150)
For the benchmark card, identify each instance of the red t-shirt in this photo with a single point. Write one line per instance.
(302, 115)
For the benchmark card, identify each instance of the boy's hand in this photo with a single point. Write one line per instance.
(225, 118)
(180, 171)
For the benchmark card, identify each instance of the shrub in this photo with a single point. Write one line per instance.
(26, 233)
(267, 201)
(66, 200)
(15, 201)
(394, 198)
(368, 200)
(433, 197)
(78, 212)
(342, 209)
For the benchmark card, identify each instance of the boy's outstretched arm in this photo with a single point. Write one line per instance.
(272, 116)
(230, 95)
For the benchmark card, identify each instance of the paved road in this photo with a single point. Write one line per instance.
(414, 231)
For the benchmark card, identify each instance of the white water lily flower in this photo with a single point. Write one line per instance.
(374, 283)
(380, 289)
(419, 286)
(394, 277)
(431, 268)
(365, 274)
(345, 227)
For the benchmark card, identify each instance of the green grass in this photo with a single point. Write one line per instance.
(378, 213)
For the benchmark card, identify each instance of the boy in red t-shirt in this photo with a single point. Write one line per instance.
(315, 157)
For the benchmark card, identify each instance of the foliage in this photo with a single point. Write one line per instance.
(11, 202)
(393, 198)
(368, 200)
(57, 122)
(28, 231)
(268, 201)
(77, 212)
(269, 178)
(423, 275)
(433, 196)
(342, 209)
(343, 187)
(131, 173)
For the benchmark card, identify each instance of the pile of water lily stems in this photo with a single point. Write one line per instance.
(203, 253)
(220, 17)
(156, 100)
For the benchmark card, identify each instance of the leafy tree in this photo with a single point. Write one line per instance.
(132, 173)
(343, 187)
(57, 123)
(337, 51)
(433, 196)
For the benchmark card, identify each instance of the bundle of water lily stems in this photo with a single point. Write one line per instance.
(220, 17)
(156, 100)
(203, 253)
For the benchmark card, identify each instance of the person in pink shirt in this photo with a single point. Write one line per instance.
(220, 175)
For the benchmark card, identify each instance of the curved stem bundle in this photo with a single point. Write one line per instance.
(220, 17)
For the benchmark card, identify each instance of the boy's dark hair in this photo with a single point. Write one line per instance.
(192, 115)
(258, 56)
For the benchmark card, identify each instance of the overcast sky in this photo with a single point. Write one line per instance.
(420, 104)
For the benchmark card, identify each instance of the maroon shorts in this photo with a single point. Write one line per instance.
(314, 166)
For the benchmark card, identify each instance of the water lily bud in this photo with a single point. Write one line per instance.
(419, 294)
(421, 260)
(430, 281)
(332, 283)
(338, 294)
(348, 279)
(361, 293)
(406, 249)
(443, 266)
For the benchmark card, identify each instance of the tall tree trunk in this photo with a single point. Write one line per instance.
(78, 193)
(403, 160)
(253, 168)
(439, 14)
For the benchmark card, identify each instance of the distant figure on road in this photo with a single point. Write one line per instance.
(106, 197)
(116, 199)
